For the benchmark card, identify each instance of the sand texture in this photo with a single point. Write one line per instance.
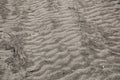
(59, 39)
